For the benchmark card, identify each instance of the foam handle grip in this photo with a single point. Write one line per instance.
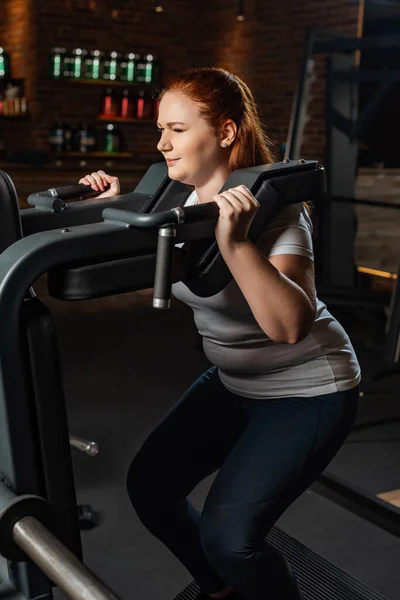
(163, 273)
(77, 190)
(201, 212)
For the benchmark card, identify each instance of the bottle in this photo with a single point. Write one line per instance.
(111, 66)
(127, 104)
(56, 139)
(17, 106)
(92, 64)
(128, 67)
(24, 106)
(57, 62)
(91, 139)
(11, 103)
(112, 139)
(68, 65)
(78, 56)
(4, 64)
(85, 139)
(144, 106)
(147, 69)
(67, 137)
(109, 107)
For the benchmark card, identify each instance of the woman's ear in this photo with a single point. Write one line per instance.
(228, 133)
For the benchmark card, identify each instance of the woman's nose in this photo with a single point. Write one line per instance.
(164, 145)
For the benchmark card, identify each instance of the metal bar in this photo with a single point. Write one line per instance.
(82, 445)
(372, 105)
(344, 45)
(358, 501)
(338, 220)
(342, 123)
(391, 348)
(357, 75)
(349, 200)
(300, 102)
(82, 212)
(58, 563)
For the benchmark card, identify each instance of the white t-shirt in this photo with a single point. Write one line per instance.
(250, 363)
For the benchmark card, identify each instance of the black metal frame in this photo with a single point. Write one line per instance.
(336, 219)
(21, 463)
(342, 124)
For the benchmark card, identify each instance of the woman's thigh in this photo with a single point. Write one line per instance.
(287, 442)
(191, 441)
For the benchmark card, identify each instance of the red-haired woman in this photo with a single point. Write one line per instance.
(282, 394)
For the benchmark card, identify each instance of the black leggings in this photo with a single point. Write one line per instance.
(267, 452)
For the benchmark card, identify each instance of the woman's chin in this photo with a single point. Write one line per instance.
(176, 175)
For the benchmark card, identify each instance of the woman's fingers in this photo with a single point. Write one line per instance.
(97, 180)
(239, 201)
(89, 180)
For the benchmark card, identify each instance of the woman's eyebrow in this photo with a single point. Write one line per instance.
(173, 123)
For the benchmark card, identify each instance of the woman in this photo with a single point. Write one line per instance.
(282, 396)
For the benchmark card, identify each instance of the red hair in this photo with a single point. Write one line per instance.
(223, 96)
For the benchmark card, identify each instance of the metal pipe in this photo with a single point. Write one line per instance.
(86, 446)
(56, 561)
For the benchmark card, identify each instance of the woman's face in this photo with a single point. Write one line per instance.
(190, 146)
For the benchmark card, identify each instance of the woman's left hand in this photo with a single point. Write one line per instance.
(237, 208)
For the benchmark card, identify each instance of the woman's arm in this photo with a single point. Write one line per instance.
(280, 291)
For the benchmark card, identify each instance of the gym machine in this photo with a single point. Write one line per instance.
(336, 273)
(125, 251)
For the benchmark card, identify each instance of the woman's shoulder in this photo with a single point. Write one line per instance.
(292, 215)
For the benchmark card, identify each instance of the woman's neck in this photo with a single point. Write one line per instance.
(211, 187)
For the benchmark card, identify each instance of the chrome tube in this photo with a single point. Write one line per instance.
(86, 446)
(56, 561)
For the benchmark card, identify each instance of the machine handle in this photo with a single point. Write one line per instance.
(185, 214)
(163, 274)
(54, 198)
(77, 190)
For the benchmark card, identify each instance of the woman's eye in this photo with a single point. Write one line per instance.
(178, 130)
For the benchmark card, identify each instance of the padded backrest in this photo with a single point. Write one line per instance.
(207, 272)
(10, 222)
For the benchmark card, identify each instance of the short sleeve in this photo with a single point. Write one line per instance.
(289, 232)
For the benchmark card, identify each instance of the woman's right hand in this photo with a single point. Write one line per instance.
(98, 180)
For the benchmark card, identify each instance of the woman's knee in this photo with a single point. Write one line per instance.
(141, 486)
(225, 540)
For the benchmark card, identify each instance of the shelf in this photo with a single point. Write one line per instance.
(15, 117)
(124, 120)
(93, 154)
(107, 82)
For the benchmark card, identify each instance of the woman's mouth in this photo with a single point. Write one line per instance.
(171, 161)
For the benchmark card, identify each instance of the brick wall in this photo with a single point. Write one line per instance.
(18, 36)
(265, 49)
(127, 26)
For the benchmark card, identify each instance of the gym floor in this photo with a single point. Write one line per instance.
(124, 365)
